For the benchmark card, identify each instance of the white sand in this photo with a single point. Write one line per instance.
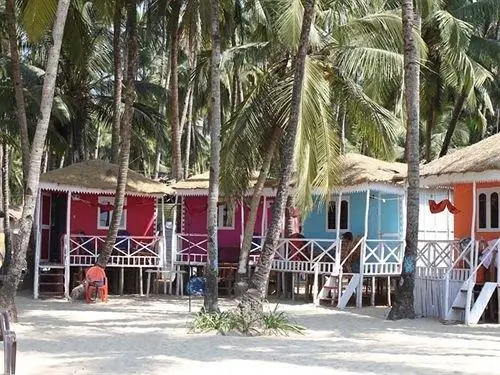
(135, 335)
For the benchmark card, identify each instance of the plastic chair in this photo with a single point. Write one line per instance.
(96, 285)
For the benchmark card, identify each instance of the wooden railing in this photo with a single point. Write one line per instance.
(383, 257)
(128, 251)
(440, 259)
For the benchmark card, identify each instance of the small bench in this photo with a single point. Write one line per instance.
(9, 342)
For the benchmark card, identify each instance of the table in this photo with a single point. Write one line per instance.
(179, 285)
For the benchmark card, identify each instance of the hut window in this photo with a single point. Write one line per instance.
(332, 215)
(225, 215)
(105, 212)
(488, 212)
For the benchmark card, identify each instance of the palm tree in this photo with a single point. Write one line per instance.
(253, 298)
(9, 287)
(211, 292)
(126, 133)
(18, 85)
(117, 97)
(403, 305)
(174, 91)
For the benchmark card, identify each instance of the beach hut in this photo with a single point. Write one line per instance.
(370, 223)
(73, 214)
(190, 239)
(461, 273)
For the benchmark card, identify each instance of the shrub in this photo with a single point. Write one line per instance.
(273, 322)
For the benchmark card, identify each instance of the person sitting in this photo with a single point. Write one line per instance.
(352, 261)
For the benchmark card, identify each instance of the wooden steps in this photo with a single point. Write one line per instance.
(51, 282)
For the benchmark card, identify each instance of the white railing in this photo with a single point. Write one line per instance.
(441, 259)
(128, 251)
(191, 248)
(383, 257)
(299, 254)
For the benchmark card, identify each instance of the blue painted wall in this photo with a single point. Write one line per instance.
(314, 225)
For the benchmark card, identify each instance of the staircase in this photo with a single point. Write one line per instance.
(465, 309)
(51, 283)
(334, 283)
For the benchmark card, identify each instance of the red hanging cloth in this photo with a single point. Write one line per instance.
(439, 207)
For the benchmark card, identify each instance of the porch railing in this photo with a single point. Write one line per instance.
(383, 257)
(440, 259)
(128, 251)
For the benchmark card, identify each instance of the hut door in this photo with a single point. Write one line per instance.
(45, 226)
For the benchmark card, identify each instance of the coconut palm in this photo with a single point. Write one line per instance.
(9, 287)
(403, 305)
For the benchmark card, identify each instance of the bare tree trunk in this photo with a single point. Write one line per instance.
(157, 161)
(174, 93)
(431, 120)
(97, 142)
(241, 277)
(185, 110)
(5, 160)
(117, 99)
(20, 246)
(126, 132)
(211, 292)
(188, 135)
(18, 87)
(253, 298)
(455, 115)
(403, 304)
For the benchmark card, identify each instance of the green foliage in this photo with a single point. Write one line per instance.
(278, 323)
(273, 322)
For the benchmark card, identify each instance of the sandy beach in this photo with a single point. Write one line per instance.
(135, 335)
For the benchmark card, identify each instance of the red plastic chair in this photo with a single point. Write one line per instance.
(96, 285)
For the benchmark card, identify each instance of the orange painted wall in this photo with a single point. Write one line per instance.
(463, 220)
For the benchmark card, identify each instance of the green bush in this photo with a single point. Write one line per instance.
(278, 323)
(273, 322)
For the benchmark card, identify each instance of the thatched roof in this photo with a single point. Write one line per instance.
(479, 157)
(99, 176)
(200, 182)
(359, 169)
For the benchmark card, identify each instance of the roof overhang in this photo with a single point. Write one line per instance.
(78, 189)
(451, 179)
(268, 192)
(382, 187)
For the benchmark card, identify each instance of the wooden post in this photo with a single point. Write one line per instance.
(389, 302)
(359, 294)
(140, 282)
(472, 257)
(263, 219)
(173, 244)
(379, 215)
(67, 246)
(372, 298)
(122, 279)
(38, 233)
(338, 254)
(164, 236)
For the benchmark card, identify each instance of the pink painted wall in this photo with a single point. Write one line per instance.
(140, 215)
(195, 222)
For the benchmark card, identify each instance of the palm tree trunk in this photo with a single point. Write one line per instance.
(252, 300)
(174, 94)
(5, 194)
(403, 305)
(126, 131)
(20, 246)
(117, 99)
(455, 115)
(431, 120)
(241, 277)
(18, 87)
(211, 292)
(189, 125)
